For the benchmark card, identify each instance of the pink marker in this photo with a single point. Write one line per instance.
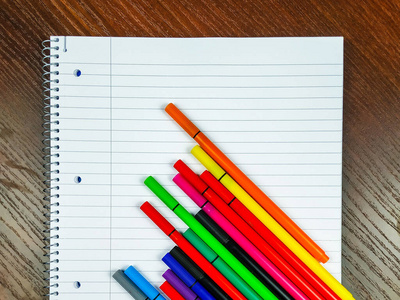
(239, 238)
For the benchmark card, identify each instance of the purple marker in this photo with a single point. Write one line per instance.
(180, 287)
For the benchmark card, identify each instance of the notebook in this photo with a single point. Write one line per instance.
(273, 105)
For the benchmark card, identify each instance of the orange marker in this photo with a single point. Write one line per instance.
(246, 183)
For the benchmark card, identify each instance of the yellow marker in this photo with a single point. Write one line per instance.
(270, 222)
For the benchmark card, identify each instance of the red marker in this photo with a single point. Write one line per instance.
(170, 291)
(267, 235)
(291, 273)
(191, 251)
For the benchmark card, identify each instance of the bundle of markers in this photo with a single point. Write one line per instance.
(240, 245)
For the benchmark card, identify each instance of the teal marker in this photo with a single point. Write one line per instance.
(208, 238)
(220, 265)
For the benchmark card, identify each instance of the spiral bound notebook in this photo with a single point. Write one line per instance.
(273, 105)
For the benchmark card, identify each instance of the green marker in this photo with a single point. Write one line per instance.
(208, 238)
(220, 265)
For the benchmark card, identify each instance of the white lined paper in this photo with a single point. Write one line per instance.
(273, 105)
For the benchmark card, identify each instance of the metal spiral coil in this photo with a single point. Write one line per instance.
(50, 163)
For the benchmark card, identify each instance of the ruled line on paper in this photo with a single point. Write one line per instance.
(219, 131)
(132, 185)
(205, 109)
(64, 227)
(137, 196)
(172, 174)
(200, 98)
(129, 218)
(203, 64)
(250, 120)
(206, 87)
(183, 152)
(221, 143)
(208, 75)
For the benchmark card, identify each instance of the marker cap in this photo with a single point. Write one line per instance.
(190, 176)
(187, 263)
(157, 218)
(161, 193)
(189, 190)
(181, 119)
(179, 285)
(178, 269)
(170, 291)
(211, 226)
(207, 161)
(142, 283)
(217, 186)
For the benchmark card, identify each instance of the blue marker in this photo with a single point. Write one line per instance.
(185, 276)
(143, 284)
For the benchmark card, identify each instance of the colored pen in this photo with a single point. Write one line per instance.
(207, 237)
(219, 263)
(267, 247)
(240, 239)
(199, 274)
(143, 284)
(179, 240)
(170, 291)
(246, 259)
(214, 185)
(185, 276)
(129, 286)
(179, 286)
(270, 222)
(246, 183)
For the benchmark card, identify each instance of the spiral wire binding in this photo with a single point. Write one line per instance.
(50, 164)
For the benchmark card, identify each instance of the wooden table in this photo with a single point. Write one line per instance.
(371, 157)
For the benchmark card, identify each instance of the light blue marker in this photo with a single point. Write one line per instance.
(143, 284)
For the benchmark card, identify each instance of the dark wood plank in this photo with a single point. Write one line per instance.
(371, 160)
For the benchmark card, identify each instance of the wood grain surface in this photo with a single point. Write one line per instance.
(371, 157)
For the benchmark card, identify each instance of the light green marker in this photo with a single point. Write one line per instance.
(208, 238)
